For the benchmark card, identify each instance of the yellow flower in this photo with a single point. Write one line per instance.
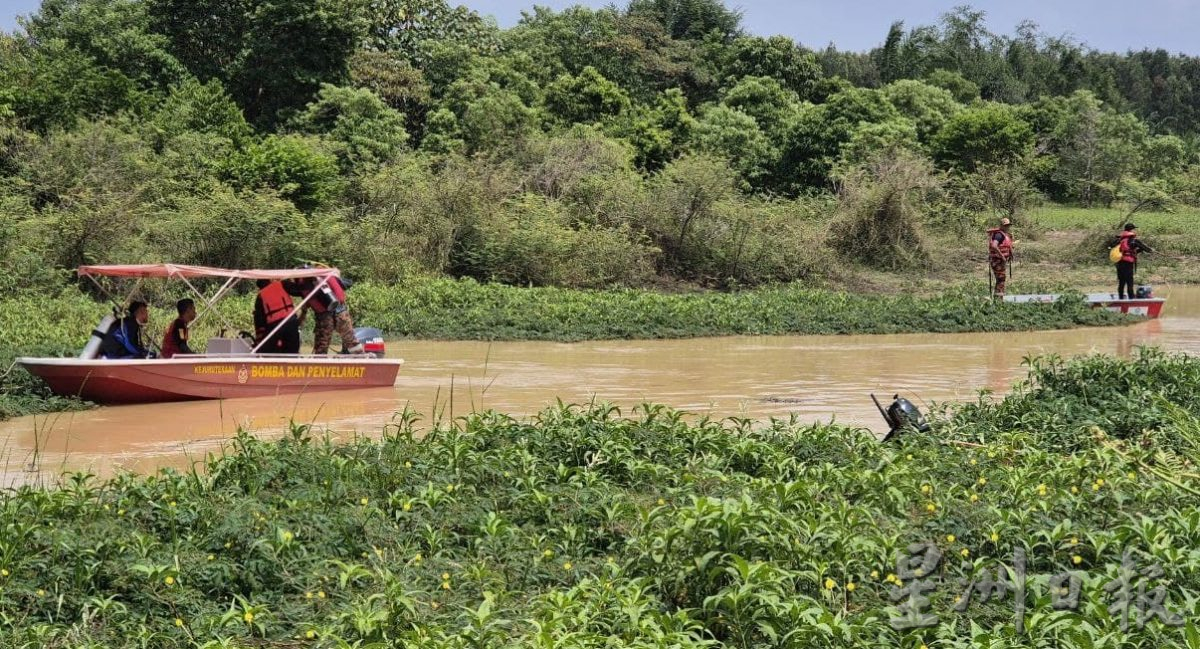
(248, 617)
(445, 576)
(178, 622)
(228, 545)
(172, 503)
(418, 558)
(830, 584)
(982, 481)
(434, 605)
(106, 507)
(567, 566)
(974, 462)
(908, 457)
(4, 572)
(891, 578)
(850, 586)
(918, 572)
(407, 507)
(445, 585)
(661, 502)
(874, 574)
(41, 593)
(449, 488)
(548, 554)
(211, 557)
(408, 465)
(120, 512)
(931, 508)
(995, 537)
(924, 646)
(1074, 489)
(965, 553)
(310, 634)
(950, 538)
(363, 501)
(1100, 481)
(1132, 475)
(288, 536)
(1074, 540)
(320, 594)
(308, 594)
(926, 488)
(1076, 559)
(1041, 489)
(974, 498)
(1096, 486)
(170, 581)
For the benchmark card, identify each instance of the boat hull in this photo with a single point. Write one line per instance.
(1148, 307)
(192, 378)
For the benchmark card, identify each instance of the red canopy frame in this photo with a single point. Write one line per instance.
(185, 272)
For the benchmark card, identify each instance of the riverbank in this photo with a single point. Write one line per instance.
(466, 310)
(586, 524)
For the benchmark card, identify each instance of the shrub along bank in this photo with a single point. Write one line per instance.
(467, 310)
(586, 527)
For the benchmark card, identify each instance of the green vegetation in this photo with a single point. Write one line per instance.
(630, 146)
(587, 527)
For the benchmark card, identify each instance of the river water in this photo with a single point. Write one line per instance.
(816, 378)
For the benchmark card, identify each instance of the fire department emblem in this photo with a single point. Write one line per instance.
(243, 374)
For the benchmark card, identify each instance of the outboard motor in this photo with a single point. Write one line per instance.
(372, 340)
(901, 414)
(92, 348)
(1144, 292)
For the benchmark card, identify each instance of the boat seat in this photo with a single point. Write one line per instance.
(226, 346)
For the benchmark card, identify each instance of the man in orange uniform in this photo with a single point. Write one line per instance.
(175, 340)
(272, 306)
(1000, 250)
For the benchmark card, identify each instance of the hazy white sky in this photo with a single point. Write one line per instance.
(1111, 25)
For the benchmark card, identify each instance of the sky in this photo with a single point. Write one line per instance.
(1109, 25)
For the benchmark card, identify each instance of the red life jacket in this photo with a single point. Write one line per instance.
(169, 348)
(333, 289)
(277, 304)
(1128, 252)
(1005, 246)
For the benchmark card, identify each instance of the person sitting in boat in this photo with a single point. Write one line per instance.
(175, 340)
(329, 305)
(124, 340)
(1129, 246)
(273, 306)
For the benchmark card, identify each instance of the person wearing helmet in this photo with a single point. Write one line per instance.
(1000, 250)
(1129, 247)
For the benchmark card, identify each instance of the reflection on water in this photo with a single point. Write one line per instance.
(814, 377)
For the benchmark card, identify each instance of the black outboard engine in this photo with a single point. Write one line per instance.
(1144, 292)
(900, 415)
(372, 340)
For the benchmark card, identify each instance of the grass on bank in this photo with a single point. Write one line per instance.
(467, 310)
(587, 527)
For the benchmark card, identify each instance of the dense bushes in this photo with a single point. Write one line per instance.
(588, 527)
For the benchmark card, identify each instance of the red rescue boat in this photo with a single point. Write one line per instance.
(1150, 307)
(230, 368)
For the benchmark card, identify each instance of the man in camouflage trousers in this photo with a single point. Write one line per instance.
(330, 314)
(1000, 250)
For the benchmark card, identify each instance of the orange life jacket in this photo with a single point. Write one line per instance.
(169, 348)
(333, 290)
(1128, 252)
(1005, 246)
(277, 304)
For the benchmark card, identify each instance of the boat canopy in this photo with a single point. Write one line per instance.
(184, 271)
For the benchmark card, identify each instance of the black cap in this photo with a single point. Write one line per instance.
(1130, 226)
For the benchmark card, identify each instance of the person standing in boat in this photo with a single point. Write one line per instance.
(1000, 251)
(273, 306)
(331, 313)
(124, 340)
(1130, 247)
(175, 340)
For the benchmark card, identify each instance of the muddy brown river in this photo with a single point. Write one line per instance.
(816, 378)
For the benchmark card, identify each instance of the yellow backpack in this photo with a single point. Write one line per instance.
(1115, 254)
